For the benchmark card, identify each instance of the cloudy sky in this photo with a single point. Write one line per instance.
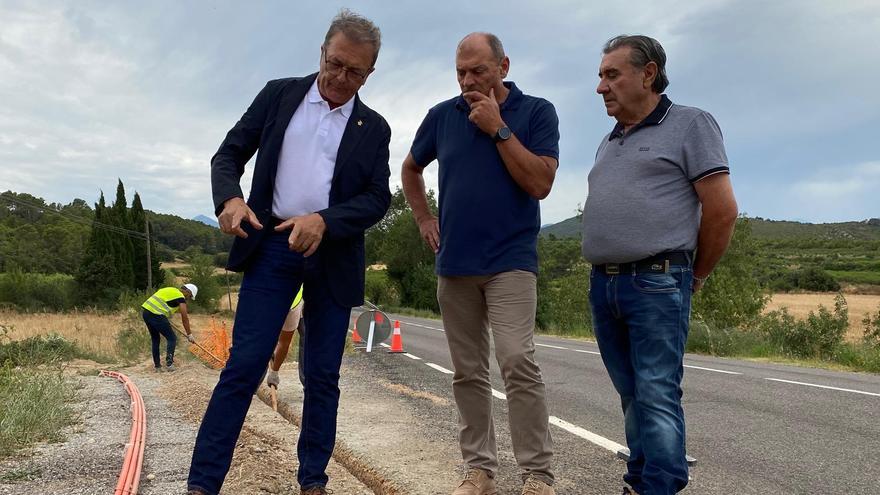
(145, 91)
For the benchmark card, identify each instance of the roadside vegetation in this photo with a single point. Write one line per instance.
(37, 350)
(40, 271)
(35, 397)
(729, 316)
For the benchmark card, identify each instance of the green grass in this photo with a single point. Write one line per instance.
(417, 313)
(134, 344)
(52, 349)
(19, 475)
(35, 406)
(573, 333)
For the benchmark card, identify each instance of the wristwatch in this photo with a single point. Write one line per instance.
(503, 134)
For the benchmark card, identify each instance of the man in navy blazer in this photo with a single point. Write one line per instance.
(320, 180)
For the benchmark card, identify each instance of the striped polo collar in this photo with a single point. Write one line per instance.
(654, 118)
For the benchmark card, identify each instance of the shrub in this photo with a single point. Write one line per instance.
(34, 351)
(419, 288)
(202, 274)
(860, 357)
(220, 259)
(133, 339)
(379, 290)
(132, 300)
(706, 339)
(37, 291)
(811, 279)
(816, 337)
(563, 303)
(733, 296)
(872, 329)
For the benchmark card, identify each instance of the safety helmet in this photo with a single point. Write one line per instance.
(192, 289)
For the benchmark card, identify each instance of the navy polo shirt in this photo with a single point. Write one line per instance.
(488, 224)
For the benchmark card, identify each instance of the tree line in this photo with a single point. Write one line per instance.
(57, 256)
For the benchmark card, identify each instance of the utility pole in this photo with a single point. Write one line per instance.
(149, 259)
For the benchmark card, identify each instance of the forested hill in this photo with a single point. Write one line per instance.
(772, 230)
(36, 236)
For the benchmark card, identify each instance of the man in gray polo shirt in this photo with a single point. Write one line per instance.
(659, 215)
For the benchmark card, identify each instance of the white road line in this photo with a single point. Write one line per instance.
(565, 425)
(588, 352)
(712, 369)
(423, 326)
(383, 344)
(825, 386)
(552, 346)
(412, 356)
(586, 434)
(439, 368)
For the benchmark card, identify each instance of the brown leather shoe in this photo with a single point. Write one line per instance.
(534, 486)
(476, 482)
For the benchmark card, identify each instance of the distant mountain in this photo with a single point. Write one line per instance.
(206, 220)
(570, 227)
(763, 229)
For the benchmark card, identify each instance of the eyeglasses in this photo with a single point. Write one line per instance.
(334, 68)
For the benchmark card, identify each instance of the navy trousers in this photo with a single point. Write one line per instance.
(267, 290)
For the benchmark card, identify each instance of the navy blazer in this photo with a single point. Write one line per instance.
(359, 194)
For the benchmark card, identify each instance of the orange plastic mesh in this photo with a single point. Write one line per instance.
(214, 350)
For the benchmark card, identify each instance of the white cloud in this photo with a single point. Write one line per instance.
(92, 91)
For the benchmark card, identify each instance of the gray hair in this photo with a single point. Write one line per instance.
(357, 28)
(644, 49)
(494, 44)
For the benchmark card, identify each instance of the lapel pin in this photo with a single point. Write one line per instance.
(360, 122)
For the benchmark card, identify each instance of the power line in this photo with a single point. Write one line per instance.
(73, 218)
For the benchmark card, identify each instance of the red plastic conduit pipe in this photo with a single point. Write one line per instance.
(132, 464)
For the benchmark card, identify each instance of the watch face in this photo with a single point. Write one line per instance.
(504, 133)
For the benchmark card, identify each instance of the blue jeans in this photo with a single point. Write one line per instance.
(641, 325)
(267, 290)
(159, 325)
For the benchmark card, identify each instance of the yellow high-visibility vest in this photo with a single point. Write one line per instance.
(158, 302)
(298, 299)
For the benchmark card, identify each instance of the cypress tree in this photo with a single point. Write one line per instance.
(96, 276)
(139, 251)
(123, 249)
(138, 220)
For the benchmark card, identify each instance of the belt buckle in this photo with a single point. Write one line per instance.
(658, 268)
(612, 269)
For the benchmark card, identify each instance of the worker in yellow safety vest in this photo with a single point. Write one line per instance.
(291, 323)
(157, 312)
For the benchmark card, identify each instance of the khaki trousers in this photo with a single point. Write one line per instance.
(505, 303)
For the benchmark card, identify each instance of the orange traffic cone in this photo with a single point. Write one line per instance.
(396, 340)
(355, 336)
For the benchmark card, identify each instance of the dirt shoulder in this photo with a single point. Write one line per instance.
(88, 462)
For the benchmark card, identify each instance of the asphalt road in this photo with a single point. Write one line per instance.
(752, 427)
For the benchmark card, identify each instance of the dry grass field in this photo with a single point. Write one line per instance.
(800, 305)
(94, 332)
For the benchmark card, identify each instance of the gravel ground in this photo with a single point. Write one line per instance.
(88, 462)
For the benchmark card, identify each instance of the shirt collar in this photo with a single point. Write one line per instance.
(654, 118)
(314, 96)
(514, 98)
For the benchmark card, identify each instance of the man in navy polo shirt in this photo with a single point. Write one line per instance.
(498, 150)
(659, 215)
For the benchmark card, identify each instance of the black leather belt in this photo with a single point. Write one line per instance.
(658, 263)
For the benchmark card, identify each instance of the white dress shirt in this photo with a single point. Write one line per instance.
(308, 156)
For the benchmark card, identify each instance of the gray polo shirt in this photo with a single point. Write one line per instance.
(641, 199)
